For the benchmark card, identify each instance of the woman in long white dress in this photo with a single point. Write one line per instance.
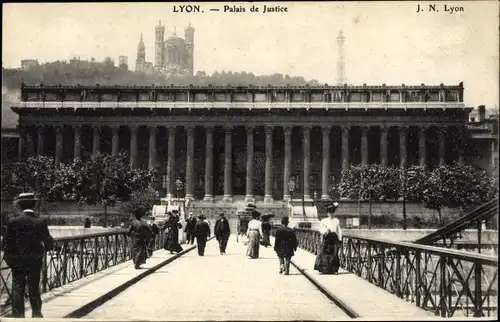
(254, 233)
(327, 260)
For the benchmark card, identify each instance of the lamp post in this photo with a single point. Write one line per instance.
(405, 179)
(178, 184)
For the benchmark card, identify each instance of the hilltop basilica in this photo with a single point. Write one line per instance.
(173, 56)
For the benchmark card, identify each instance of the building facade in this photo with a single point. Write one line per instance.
(271, 142)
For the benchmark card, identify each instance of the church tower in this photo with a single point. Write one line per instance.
(341, 76)
(189, 43)
(159, 45)
(141, 56)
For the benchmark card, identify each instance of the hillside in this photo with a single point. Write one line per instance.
(90, 73)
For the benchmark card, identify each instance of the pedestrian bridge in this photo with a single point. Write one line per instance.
(91, 278)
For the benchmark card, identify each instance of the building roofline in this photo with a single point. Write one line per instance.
(236, 86)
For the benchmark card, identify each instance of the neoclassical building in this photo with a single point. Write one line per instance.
(253, 142)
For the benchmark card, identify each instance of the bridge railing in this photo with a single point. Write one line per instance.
(448, 282)
(72, 259)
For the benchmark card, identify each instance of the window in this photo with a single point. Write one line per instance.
(200, 97)
(259, 97)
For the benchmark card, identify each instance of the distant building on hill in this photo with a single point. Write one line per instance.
(123, 62)
(173, 56)
(29, 63)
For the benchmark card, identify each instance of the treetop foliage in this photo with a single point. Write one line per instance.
(81, 72)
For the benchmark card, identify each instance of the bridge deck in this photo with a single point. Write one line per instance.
(366, 299)
(227, 287)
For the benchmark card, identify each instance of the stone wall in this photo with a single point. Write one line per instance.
(410, 235)
(353, 208)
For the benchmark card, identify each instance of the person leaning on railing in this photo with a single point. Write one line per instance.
(25, 242)
(327, 260)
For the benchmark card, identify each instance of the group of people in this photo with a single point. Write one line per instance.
(327, 261)
(27, 238)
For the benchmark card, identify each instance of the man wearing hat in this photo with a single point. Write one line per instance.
(285, 245)
(222, 232)
(327, 260)
(202, 233)
(189, 230)
(155, 230)
(26, 239)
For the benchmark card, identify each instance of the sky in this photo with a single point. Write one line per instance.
(386, 42)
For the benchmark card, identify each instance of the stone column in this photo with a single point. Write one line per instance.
(306, 147)
(442, 147)
(249, 179)
(115, 129)
(287, 130)
(152, 147)
(39, 148)
(190, 163)
(228, 166)
(364, 145)
(21, 143)
(268, 193)
(171, 162)
(462, 145)
(30, 140)
(422, 152)
(403, 130)
(384, 131)
(209, 164)
(345, 146)
(326, 163)
(97, 140)
(59, 144)
(77, 146)
(133, 145)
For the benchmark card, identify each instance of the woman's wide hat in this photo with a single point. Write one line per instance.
(250, 207)
(331, 207)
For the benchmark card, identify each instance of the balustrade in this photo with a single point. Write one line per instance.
(450, 283)
(74, 258)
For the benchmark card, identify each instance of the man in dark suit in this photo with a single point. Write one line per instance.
(25, 241)
(285, 244)
(222, 232)
(202, 233)
(189, 230)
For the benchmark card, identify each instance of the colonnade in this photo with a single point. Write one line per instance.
(269, 130)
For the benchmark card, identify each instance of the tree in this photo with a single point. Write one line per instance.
(416, 178)
(141, 200)
(371, 183)
(110, 178)
(70, 181)
(457, 186)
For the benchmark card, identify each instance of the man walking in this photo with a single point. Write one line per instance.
(285, 244)
(222, 232)
(189, 230)
(152, 240)
(202, 233)
(26, 239)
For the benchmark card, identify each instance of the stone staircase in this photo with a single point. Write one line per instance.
(211, 210)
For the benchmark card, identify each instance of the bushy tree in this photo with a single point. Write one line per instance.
(141, 199)
(457, 186)
(416, 178)
(370, 182)
(70, 180)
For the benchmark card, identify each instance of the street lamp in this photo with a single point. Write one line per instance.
(405, 179)
(178, 184)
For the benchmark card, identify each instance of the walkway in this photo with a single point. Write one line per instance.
(227, 287)
(223, 287)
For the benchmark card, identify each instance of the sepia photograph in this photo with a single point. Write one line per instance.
(250, 161)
